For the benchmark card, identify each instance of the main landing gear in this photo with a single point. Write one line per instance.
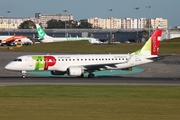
(90, 75)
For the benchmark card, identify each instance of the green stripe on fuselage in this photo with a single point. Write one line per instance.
(40, 63)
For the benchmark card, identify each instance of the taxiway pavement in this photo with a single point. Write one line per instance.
(164, 72)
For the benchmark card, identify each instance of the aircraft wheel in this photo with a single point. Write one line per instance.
(91, 75)
(23, 76)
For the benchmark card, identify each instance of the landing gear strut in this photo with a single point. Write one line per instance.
(23, 74)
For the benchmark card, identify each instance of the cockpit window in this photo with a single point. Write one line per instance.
(17, 59)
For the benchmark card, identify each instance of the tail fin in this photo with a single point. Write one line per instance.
(41, 32)
(151, 47)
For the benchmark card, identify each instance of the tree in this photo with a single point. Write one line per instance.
(29, 24)
(148, 24)
(53, 24)
(149, 32)
(145, 35)
(85, 24)
(71, 24)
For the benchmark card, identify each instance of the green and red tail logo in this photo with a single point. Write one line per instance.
(151, 47)
(155, 42)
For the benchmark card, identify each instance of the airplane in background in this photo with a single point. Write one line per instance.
(44, 38)
(77, 65)
(14, 40)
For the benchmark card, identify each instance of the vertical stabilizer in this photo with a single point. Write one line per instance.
(41, 32)
(151, 47)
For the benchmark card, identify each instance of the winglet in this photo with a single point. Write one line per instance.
(151, 47)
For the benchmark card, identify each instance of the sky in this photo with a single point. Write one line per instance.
(84, 9)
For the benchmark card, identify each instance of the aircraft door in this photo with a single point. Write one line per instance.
(132, 60)
(30, 61)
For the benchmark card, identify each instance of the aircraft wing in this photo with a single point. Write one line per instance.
(94, 67)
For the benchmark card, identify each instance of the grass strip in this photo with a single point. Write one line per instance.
(89, 102)
(166, 47)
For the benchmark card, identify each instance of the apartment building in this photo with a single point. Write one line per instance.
(43, 18)
(127, 23)
(160, 23)
(109, 23)
(13, 23)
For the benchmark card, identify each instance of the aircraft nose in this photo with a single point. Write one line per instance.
(8, 67)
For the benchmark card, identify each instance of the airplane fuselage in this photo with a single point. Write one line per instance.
(64, 62)
(62, 39)
(14, 40)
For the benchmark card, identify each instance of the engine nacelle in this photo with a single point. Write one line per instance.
(74, 71)
(57, 73)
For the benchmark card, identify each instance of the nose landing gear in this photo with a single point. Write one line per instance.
(23, 74)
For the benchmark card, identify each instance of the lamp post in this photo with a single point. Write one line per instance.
(148, 7)
(110, 24)
(65, 22)
(137, 8)
(8, 22)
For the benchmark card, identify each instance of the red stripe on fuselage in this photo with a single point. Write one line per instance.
(49, 61)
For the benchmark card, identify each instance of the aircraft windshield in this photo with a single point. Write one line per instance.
(17, 59)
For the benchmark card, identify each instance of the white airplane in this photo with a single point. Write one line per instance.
(14, 40)
(44, 38)
(77, 65)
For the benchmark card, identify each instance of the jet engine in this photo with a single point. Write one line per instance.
(74, 71)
